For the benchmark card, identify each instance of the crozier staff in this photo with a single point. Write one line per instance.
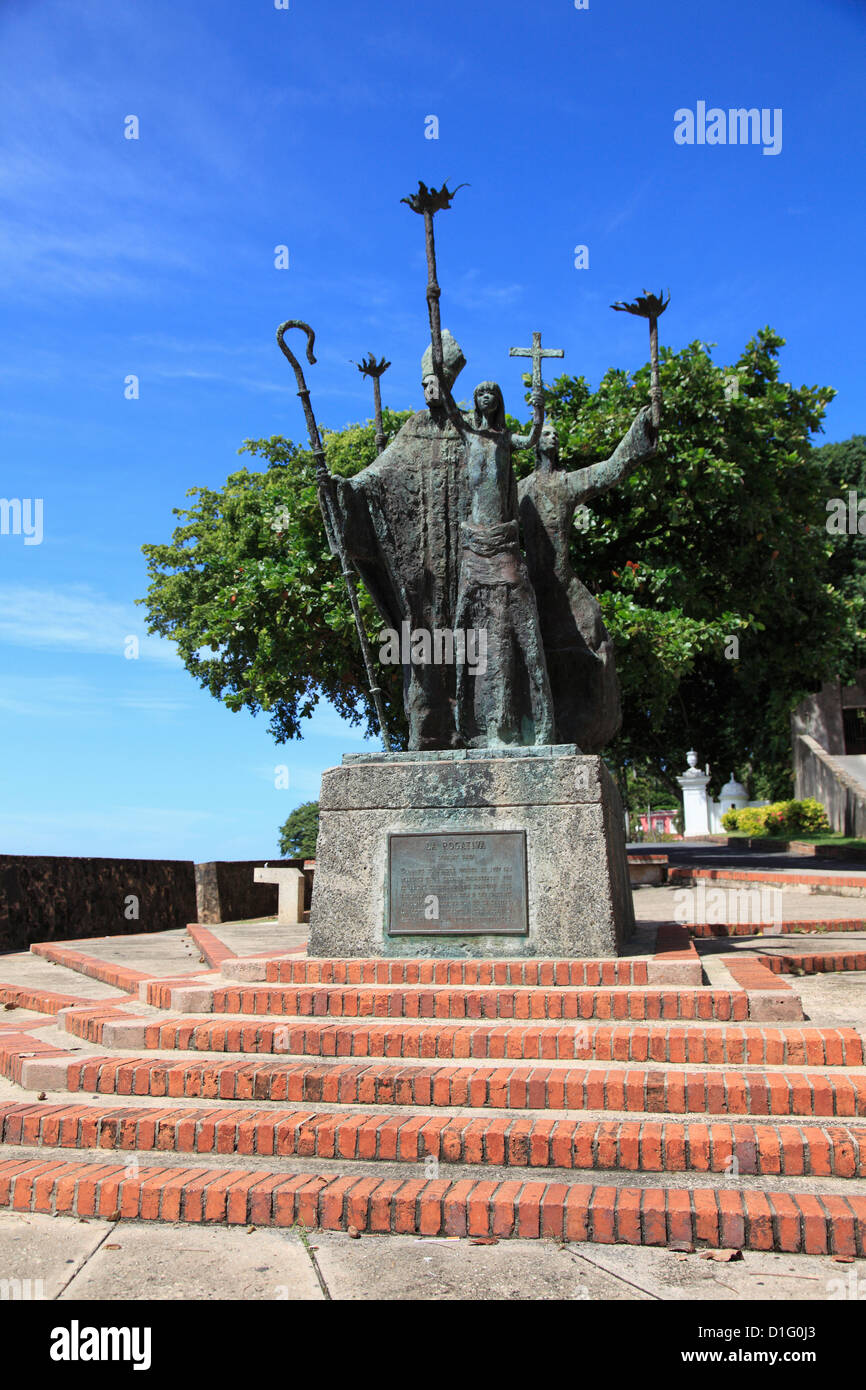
(332, 527)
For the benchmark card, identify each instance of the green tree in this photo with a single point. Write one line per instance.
(299, 833)
(645, 790)
(844, 466)
(712, 565)
(711, 562)
(249, 591)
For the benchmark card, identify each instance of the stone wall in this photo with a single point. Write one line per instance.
(225, 891)
(819, 717)
(52, 898)
(48, 898)
(817, 773)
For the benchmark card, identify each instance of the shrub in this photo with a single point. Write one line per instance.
(751, 820)
(776, 818)
(806, 817)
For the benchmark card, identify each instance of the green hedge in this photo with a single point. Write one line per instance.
(783, 818)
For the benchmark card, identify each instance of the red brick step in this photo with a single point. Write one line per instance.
(406, 971)
(514, 1002)
(630, 1145)
(542, 1208)
(553, 1086)
(694, 1043)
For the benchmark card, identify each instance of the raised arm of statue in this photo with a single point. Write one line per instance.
(529, 441)
(638, 445)
(437, 383)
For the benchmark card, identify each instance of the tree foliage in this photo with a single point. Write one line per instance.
(712, 565)
(299, 833)
(643, 789)
(720, 537)
(251, 594)
(844, 466)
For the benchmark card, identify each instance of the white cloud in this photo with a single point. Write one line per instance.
(68, 697)
(78, 619)
(629, 207)
(128, 832)
(152, 704)
(304, 782)
(144, 819)
(328, 724)
(470, 293)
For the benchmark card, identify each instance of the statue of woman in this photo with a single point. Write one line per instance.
(577, 645)
(509, 701)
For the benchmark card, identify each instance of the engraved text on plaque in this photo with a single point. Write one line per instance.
(458, 883)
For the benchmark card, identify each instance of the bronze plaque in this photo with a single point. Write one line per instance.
(461, 884)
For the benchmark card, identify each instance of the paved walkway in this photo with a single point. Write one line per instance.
(105, 1261)
(706, 855)
(728, 901)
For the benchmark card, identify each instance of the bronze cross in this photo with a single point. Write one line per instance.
(536, 352)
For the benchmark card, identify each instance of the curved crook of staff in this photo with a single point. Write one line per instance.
(303, 388)
(329, 516)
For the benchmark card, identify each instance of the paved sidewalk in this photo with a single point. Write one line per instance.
(103, 1261)
(711, 856)
(726, 902)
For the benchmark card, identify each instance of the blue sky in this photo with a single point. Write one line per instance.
(305, 127)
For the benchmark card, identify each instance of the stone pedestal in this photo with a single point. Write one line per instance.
(411, 859)
(696, 815)
(290, 901)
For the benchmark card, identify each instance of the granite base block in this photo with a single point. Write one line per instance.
(578, 895)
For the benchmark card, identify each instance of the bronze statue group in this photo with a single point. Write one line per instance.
(434, 527)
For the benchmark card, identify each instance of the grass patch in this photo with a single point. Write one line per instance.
(843, 841)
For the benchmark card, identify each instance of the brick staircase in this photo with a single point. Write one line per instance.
(618, 1100)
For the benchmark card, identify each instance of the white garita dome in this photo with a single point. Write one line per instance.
(733, 794)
